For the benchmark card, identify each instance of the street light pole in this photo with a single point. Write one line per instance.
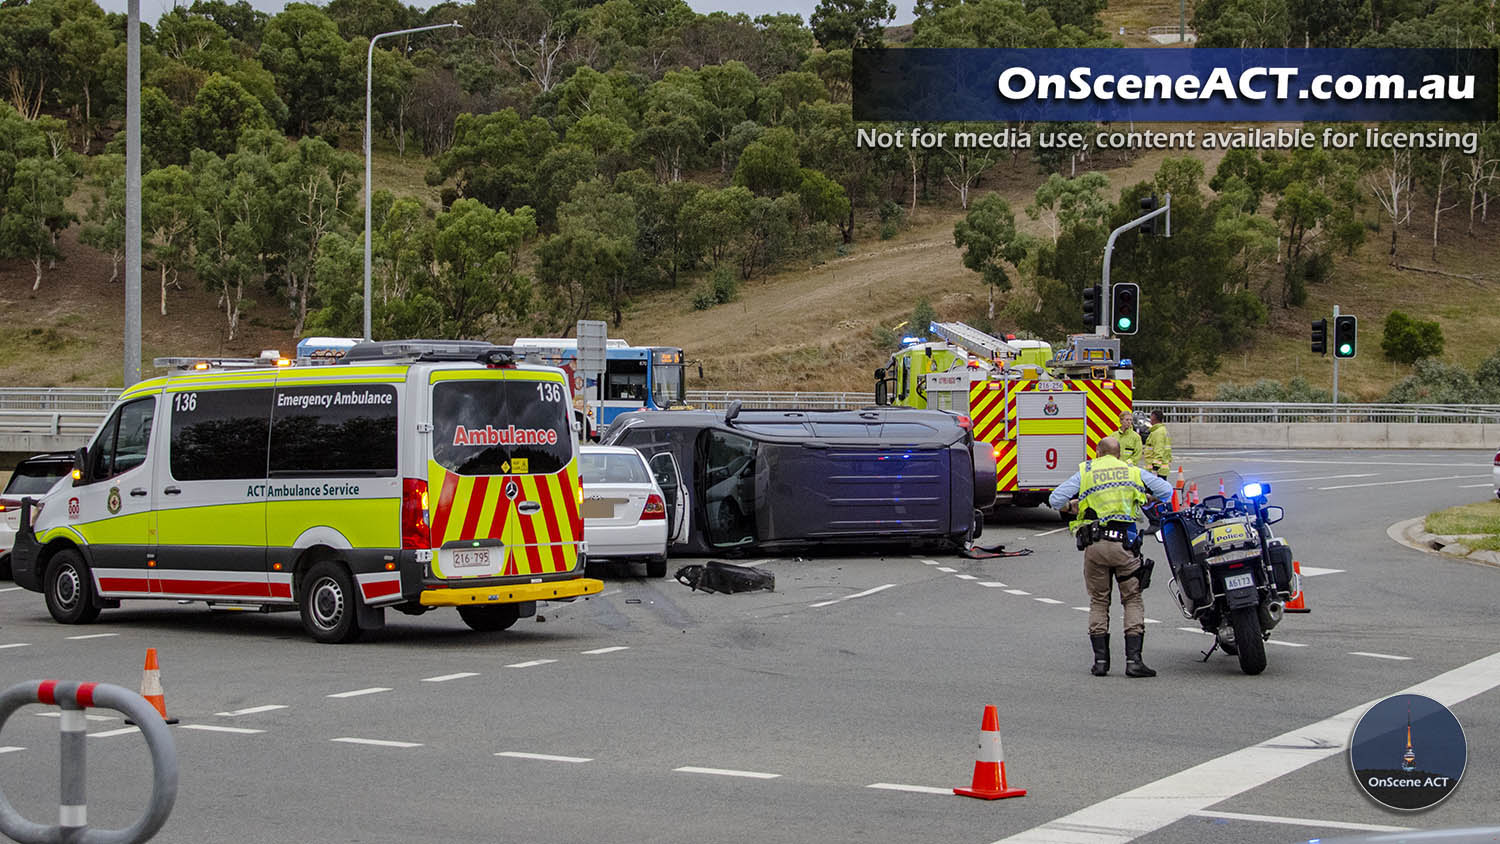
(369, 85)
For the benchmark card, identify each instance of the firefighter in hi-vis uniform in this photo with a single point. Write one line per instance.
(1110, 495)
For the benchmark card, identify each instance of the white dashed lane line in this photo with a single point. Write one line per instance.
(915, 789)
(1474, 486)
(1017, 592)
(965, 577)
(993, 584)
(16, 645)
(361, 692)
(119, 732)
(1285, 644)
(531, 663)
(215, 728)
(10, 749)
(1047, 600)
(946, 569)
(929, 562)
(86, 716)
(1314, 571)
(93, 636)
(11, 589)
(1048, 532)
(863, 594)
(543, 757)
(404, 745)
(1379, 656)
(726, 772)
(254, 710)
(609, 650)
(443, 678)
(1406, 481)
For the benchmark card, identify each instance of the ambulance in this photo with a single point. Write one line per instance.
(406, 475)
(1044, 412)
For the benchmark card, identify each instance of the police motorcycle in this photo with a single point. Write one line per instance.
(1230, 573)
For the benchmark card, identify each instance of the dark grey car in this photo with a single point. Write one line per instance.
(776, 478)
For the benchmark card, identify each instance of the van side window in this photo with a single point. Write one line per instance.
(122, 444)
(219, 434)
(334, 430)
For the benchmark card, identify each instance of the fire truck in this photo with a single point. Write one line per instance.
(1044, 413)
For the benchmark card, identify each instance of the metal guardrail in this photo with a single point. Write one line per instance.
(1279, 412)
(80, 423)
(720, 399)
(58, 398)
(74, 699)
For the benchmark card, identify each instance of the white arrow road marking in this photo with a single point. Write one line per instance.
(1158, 804)
(1314, 571)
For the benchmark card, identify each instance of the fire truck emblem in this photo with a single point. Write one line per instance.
(1050, 408)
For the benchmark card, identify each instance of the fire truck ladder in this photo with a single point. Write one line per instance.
(974, 340)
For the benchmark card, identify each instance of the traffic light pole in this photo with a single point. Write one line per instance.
(1106, 298)
(1335, 362)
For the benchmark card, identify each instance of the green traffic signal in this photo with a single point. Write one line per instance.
(1346, 350)
(1123, 324)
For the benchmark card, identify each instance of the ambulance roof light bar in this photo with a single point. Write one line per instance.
(202, 364)
(431, 350)
(973, 339)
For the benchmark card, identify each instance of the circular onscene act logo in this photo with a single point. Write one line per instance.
(1408, 752)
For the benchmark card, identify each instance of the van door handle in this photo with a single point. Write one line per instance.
(138, 492)
(529, 508)
(172, 490)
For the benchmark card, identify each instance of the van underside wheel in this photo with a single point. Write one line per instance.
(490, 618)
(70, 589)
(327, 604)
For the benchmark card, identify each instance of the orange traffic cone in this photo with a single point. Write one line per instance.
(1296, 603)
(989, 768)
(1193, 494)
(1221, 486)
(1179, 495)
(151, 687)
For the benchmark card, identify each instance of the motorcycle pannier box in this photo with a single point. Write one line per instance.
(1281, 565)
(1189, 572)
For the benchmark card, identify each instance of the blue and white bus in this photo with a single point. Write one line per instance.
(635, 377)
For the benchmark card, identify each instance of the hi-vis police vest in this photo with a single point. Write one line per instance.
(1111, 488)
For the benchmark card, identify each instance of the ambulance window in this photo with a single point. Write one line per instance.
(219, 434)
(501, 427)
(121, 446)
(334, 431)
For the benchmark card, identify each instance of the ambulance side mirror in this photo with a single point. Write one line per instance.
(80, 466)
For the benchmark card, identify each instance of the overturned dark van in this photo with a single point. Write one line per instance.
(757, 479)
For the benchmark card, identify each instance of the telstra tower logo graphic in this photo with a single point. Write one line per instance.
(1408, 752)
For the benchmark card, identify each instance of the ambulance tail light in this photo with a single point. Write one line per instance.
(416, 531)
(655, 510)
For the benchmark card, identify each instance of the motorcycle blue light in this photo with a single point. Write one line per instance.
(1252, 490)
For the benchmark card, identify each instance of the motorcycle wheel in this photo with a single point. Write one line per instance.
(1249, 641)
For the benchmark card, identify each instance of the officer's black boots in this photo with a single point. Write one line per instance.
(1133, 665)
(1101, 654)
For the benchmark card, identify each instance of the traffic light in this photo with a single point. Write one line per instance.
(1091, 296)
(1320, 337)
(1148, 204)
(1125, 305)
(1344, 330)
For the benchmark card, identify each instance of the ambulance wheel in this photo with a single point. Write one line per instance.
(490, 618)
(70, 589)
(327, 604)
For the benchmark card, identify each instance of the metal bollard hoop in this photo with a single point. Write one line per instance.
(73, 699)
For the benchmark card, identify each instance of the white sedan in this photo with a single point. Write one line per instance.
(624, 509)
(35, 477)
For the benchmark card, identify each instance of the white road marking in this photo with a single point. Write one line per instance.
(1380, 656)
(1238, 816)
(1049, 532)
(1285, 644)
(1047, 600)
(609, 650)
(93, 636)
(1018, 591)
(215, 728)
(12, 589)
(254, 710)
(86, 716)
(1314, 571)
(993, 584)
(1342, 462)
(1329, 477)
(946, 569)
(929, 562)
(1152, 621)
(443, 678)
(543, 757)
(863, 594)
(915, 789)
(1404, 481)
(725, 772)
(1158, 804)
(120, 732)
(16, 645)
(531, 663)
(10, 749)
(377, 742)
(1465, 486)
(1081, 609)
(358, 692)
(965, 577)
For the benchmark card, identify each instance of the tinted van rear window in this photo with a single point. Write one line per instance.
(501, 427)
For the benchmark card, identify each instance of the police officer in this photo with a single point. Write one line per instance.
(1110, 496)
(1130, 441)
(1158, 446)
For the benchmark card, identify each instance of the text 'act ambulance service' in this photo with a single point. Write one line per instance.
(407, 475)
